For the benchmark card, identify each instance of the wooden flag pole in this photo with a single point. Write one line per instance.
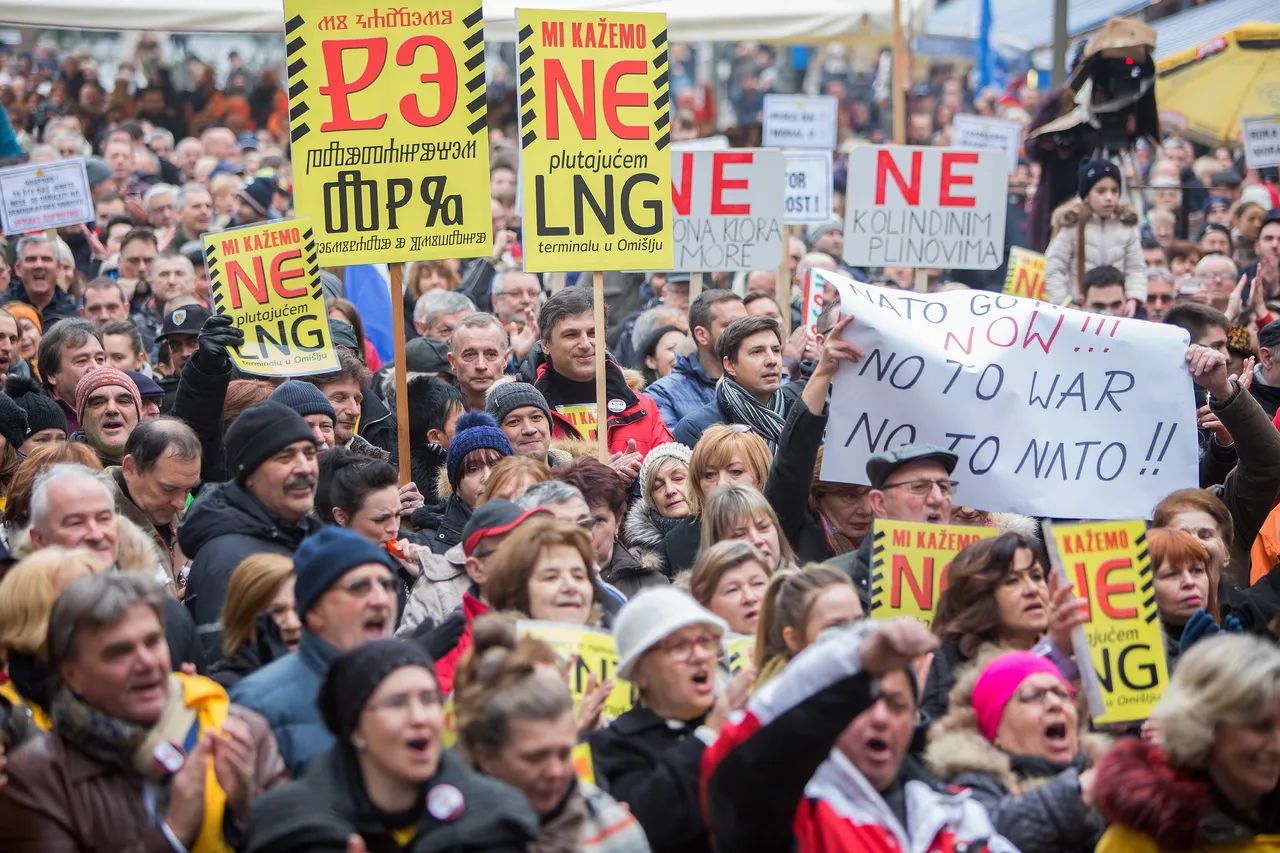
(922, 280)
(695, 285)
(602, 394)
(402, 371)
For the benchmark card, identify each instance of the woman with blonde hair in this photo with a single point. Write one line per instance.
(511, 477)
(1211, 782)
(510, 703)
(799, 604)
(260, 620)
(742, 513)
(27, 594)
(729, 579)
(724, 455)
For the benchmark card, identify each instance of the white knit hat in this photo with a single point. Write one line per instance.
(658, 455)
(652, 616)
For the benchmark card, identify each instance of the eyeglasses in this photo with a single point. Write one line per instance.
(1160, 298)
(361, 587)
(401, 703)
(740, 428)
(1037, 697)
(920, 488)
(681, 648)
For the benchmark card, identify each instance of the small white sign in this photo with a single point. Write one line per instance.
(727, 209)
(925, 207)
(1051, 411)
(799, 121)
(977, 132)
(809, 187)
(1261, 141)
(44, 195)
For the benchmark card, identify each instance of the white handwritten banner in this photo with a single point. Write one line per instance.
(1052, 411)
(925, 207)
(800, 121)
(728, 209)
(971, 131)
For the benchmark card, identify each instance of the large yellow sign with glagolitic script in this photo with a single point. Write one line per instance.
(389, 128)
(595, 140)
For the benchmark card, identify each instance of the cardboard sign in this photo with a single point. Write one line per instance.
(1109, 564)
(595, 653)
(594, 140)
(925, 207)
(47, 195)
(1025, 277)
(800, 121)
(727, 209)
(909, 565)
(1052, 411)
(809, 187)
(389, 129)
(266, 278)
(1261, 141)
(980, 133)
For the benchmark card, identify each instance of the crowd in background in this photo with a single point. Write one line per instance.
(227, 623)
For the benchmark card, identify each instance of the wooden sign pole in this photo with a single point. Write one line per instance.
(922, 280)
(695, 285)
(602, 394)
(783, 289)
(402, 371)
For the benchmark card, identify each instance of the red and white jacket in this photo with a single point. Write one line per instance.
(773, 781)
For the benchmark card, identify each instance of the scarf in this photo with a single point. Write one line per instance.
(128, 748)
(562, 830)
(765, 421)
(663, 524)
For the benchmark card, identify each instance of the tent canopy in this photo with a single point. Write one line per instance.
(804, 21)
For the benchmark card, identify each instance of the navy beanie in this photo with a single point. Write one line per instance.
(327, 555)
(1092, 171)
(474, 431)
(304, 398)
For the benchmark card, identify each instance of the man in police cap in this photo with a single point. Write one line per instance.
(181, 331)
(909, 483)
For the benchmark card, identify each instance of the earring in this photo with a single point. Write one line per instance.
(358, 743)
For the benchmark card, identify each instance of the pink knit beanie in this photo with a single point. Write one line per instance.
(1000, 680)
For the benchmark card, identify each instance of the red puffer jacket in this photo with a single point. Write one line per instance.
(636, 419)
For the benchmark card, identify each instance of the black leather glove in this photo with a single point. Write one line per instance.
(217, 336)
(439, 640)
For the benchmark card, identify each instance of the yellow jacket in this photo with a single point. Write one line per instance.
(1122, 839)
(38, 716)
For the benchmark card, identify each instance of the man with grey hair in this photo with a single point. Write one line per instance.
(437, 312)
(159, 202)
(74, 507)
(194, 207)
(1160, 293)
(71, 145)
(563, 500)
(161, 466)
(515, 295)
(478, 349)
(185, 156)
(630, 349)
(35, 281)
(160, 140)
(127, 764)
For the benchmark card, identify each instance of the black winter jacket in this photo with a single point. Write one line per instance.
(200, 401)
(222, 527)
(378, 424)
(857, 565)
(440, 527)
(679, 549)
(655, 767)
(791, 480)
(318, 813)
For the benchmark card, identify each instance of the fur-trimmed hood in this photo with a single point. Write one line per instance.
(1137, 788)
(1069, 213)
(638, 529)
(135, 551)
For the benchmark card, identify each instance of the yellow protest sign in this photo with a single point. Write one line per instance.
(595, 140)
(594, 653)
(583, 764)
(1109, 564)
(267, 279)
(389, 128)
(1026, 273)
(741, 651)
(909, 565)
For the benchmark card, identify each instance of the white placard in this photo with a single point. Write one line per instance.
(809, 187)
(45, 195)
(925, 207)
(727, 209)
(977, 132)
(719, 142)
(1052, 411)
(800, 121)
(1261, 141)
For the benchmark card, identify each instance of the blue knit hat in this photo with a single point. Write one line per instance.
(327, 555)
(304, 398)
(474, 431)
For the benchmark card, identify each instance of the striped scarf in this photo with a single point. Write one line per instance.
(765, 421)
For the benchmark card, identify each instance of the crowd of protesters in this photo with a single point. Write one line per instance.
(226, 623)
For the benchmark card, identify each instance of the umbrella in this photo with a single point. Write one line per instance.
(1205, 91)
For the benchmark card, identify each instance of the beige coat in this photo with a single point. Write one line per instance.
(1115, 242)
